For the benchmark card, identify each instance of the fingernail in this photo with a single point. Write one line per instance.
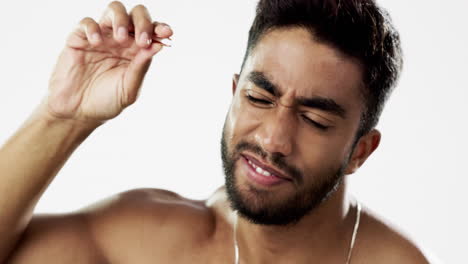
(163, 42)
(144, 38)
(122, 33)
(95, 37)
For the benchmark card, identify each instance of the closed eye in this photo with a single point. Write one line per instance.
(315, 123)
(258, 100)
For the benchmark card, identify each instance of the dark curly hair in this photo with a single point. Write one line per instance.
(358, 28)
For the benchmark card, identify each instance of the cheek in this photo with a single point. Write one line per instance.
(242, 118)
(322, 152)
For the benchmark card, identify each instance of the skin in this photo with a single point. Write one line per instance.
(100, 72)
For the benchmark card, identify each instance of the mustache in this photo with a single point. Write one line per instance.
(276, 159)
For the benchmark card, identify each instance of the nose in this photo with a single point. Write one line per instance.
(277, 132)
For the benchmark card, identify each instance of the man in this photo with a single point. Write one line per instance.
(305, 105)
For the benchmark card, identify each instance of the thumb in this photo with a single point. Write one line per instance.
(136, 73)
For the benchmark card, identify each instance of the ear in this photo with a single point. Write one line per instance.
(363, 149)
(235, 81)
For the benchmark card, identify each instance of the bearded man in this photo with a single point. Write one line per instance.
(313, 83)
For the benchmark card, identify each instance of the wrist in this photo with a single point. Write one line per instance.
(74, 126)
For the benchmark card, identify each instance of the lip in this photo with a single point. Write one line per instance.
(267, 167)
(258, 179)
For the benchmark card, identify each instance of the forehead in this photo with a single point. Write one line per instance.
(300, 66)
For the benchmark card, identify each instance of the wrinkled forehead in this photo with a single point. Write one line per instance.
(300, 66)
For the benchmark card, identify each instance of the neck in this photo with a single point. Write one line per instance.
(324, 232)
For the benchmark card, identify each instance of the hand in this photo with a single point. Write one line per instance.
(102, 67)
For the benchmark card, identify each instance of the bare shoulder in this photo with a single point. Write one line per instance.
(148, 208)
(127, 227)
(139, 204)
(380, 242)
(148, 222)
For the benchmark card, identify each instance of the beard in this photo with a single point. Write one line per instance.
(263, 207)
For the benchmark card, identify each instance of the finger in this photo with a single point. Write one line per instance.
(133, 82)
(88, 29)
(116, 18)
(137, 71)
(144, 28)
(162, 30)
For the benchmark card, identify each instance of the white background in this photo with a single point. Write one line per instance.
(170, 137)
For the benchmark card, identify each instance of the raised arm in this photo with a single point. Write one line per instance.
(97, 75)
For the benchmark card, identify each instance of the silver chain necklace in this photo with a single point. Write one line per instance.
(351, 245)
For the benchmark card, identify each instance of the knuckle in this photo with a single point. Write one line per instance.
(139, 8)
(115, 5)
(86, 20)
(117, 11)
(140, 11)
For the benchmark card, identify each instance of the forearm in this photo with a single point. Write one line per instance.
(29, 160)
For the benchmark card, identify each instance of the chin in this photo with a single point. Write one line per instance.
(280, 206)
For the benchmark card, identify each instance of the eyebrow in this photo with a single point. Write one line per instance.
(260, 80)
(317, 102)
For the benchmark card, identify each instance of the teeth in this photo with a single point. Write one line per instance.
(260, 170)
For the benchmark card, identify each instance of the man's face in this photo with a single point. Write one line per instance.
(291, 127)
